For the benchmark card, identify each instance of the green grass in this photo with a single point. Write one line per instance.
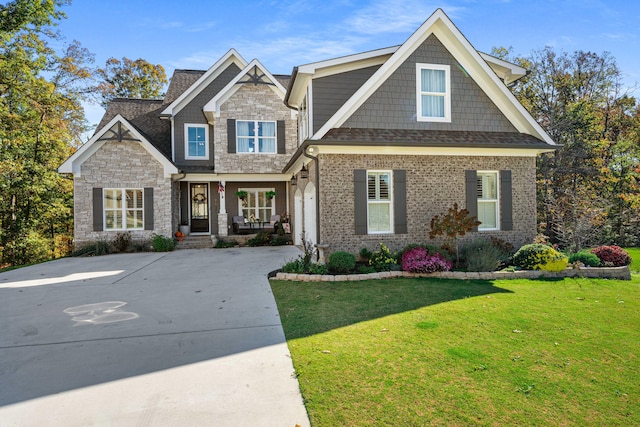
(415, 352)
(635, 256)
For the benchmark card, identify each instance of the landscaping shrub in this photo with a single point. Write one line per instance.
(383, 259)
(263, 238)
(162, 243)
(430, 248)
(537, 256)
(280, 240)
(365, 269)
(29, 248)
(365, 254)
(121, 242)
(342, 262)
(481, 255)
(317, 269)
(587, 258)
(296, 266)
(221, 244)
(612, 256)
(419, 260)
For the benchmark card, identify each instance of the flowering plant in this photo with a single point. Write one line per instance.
(612, 255)
(419, 260)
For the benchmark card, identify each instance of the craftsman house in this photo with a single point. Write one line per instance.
(358, 150)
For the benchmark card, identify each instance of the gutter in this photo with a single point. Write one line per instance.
(294, 74)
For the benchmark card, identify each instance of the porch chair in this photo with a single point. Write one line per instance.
(239, 224)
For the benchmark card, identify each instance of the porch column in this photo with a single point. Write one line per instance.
(222, 213)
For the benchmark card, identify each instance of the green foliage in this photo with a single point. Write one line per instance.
(455, 223)
(129, 78)
(482, 254)
(342, 262)
(365, 269)
(162, 243)
(587, 258)
(102, 247)
(383, 259)
(29, 248)
(280, 240)
(296, 266)
(317, 269)
(20, 14)
(221, 243)
(536, 256)
(365, 254)
(263, 238)
(430, 248)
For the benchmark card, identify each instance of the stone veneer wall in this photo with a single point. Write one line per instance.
(125, 164)
(434, 183)
(253, 102)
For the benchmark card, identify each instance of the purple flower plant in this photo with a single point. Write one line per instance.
(419, 260)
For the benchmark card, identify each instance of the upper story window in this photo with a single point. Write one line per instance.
(379, 202)
(488, 201)
(433, 93)
(196, 141)
(256, 136)
(123, 209)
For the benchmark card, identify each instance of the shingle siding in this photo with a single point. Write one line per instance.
(331, 92)
(433, 184)
(192, 113)
(393, 105)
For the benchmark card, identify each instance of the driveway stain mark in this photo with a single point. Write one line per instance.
(99, 313)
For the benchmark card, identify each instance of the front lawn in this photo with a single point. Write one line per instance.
(414, 352)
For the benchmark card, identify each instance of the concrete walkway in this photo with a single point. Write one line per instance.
(186, 338)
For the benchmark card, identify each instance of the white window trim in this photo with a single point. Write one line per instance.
(496, 200)
(123, 209)
(186, 141)
(253, 190)
(390, 202)
(447, 95)
(256, 137)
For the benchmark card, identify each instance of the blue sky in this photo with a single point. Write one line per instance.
(191, 34)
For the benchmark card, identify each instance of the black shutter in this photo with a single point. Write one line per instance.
(400, 201)
(471, 192)
(282, 148)
(97, 209)
(148, 208)
(360, 200)
(231, 136)
(506, 201)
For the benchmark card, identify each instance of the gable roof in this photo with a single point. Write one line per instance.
(118, 128)
(231, 57)
(253, 73)
(474, 63)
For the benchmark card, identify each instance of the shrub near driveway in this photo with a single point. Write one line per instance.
(416, 352)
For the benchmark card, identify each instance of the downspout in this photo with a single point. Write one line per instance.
(315, 161)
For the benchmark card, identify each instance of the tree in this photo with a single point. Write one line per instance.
(127, 78)
(40, 122)
(19, 14)
(587, 189)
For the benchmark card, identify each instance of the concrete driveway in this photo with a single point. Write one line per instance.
(186, 338)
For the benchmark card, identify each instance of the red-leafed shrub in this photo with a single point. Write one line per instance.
(612, 256)
(419, 260)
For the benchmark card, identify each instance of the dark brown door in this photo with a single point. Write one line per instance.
(199, 208)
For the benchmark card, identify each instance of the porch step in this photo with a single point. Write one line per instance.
(196, 242)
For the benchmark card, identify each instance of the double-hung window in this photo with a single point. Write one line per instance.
(379, 203)
(433, 84)
(196, 142)
(123, 209)
(255, 136)
(488, 202)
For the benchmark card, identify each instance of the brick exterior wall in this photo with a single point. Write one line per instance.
(434, 183)
(125, 164)
(393, 105)
(253, 102)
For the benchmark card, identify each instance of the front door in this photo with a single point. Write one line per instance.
(199, 208)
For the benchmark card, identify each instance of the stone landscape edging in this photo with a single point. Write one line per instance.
(621, 273)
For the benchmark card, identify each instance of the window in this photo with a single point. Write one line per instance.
(257, 206)
(256, 136)
(488, 203)
(196, 142)
(379, 202)
(123, 209)
(433, 93)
